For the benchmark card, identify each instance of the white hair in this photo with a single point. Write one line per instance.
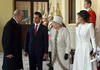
(17, 12)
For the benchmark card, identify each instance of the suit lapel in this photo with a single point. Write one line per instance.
(33, 27)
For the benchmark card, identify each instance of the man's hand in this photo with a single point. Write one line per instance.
(45, 56)
(10, 56)
(25, 54)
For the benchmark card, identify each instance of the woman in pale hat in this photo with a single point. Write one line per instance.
(59, 44)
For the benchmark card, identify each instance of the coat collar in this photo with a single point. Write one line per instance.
(15, 20)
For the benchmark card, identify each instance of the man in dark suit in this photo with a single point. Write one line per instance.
(11, 42)
(36, 43)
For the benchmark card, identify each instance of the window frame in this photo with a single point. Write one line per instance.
(70, 13)
(31, 5)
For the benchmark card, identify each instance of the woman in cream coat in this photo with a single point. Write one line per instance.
(59, 45)
(85, 43)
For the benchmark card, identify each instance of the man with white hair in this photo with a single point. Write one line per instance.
(11, 43)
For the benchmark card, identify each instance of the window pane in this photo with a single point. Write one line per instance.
(72, 11)
(41, 7)
(25, 7)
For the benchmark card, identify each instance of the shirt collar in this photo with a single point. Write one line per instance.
(15, 20)
(38, 25)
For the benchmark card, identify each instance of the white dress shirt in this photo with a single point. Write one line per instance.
(38, 25)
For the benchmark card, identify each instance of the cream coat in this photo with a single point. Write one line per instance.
(63, 47)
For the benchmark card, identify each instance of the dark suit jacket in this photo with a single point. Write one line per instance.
(36, 45)
(11, 42)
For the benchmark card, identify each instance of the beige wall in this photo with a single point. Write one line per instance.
(6, 9)
(97, 8)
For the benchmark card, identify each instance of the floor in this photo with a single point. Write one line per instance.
(25, 62)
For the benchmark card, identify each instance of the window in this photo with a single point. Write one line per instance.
(31, 6)
(72, 11)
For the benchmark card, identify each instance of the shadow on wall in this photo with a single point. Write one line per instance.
(1, 30)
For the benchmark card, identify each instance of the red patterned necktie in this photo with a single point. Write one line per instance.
(35, 31)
